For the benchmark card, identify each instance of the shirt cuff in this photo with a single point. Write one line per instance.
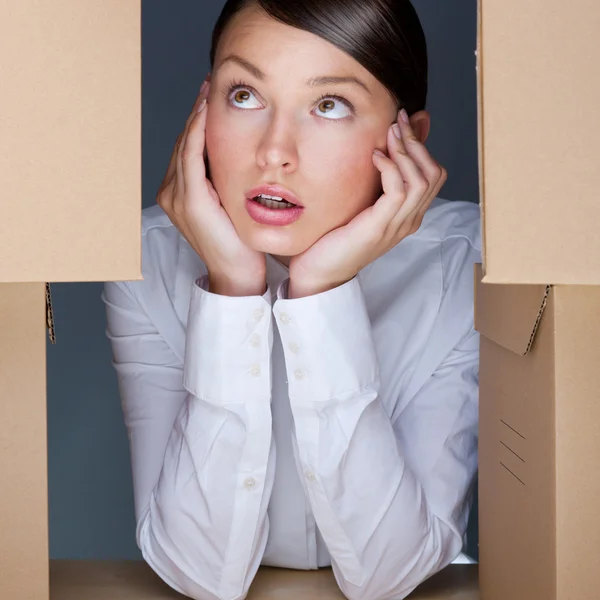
(228, 346)
(328, 343)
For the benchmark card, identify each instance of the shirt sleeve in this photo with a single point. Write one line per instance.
(200, 438)
(390, 499)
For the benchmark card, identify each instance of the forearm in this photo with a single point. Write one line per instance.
(205, 526)
(383, 535)
(381, 525)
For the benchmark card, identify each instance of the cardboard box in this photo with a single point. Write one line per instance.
(70, 128)
(539, 444)
(70, 125)
(539, 140)
(23, 456)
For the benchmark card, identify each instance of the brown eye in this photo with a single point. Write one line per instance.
(241, 96)
(327, 105)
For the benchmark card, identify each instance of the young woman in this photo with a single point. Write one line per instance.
(299, 368)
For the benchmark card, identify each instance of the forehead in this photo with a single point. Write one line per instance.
(276, 47)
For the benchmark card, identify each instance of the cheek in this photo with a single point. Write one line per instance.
(225, 148)
(349, 174)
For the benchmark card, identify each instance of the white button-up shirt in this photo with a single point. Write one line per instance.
(338, 429)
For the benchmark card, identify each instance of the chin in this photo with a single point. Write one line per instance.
(279, 243)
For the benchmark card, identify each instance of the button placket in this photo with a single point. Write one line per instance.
(286, 320)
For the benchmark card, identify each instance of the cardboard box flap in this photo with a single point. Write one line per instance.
(70, 126)
(535, 65)
(509, 315)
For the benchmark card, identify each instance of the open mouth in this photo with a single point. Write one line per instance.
(273, 202)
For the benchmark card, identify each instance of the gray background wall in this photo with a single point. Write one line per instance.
(91, 500)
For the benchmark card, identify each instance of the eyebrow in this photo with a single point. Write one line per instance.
(312, 82)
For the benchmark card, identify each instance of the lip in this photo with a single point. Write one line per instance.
(274, 190)
(278, 217)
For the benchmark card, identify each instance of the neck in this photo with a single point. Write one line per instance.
(283, 260)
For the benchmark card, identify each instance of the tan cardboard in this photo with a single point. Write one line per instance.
(70, 125)
(23, 443)
(539, 140)
(134, 580)
(539, 489)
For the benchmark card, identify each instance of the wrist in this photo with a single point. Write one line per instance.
(298, 288)
(237, 287)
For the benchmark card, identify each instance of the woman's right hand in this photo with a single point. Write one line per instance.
(193, 205)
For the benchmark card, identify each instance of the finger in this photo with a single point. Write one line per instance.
(430, 169)
(433, 194)
(202, 97)
(168, 189)
(172, 162)
(394, 189)
(415, 181)
(409, 224)
(191, 167)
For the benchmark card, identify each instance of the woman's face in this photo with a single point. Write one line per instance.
(287, 108)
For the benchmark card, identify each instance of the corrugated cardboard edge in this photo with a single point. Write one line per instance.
(538, 319)
(50, 315)
(491, 300)
(479, 75)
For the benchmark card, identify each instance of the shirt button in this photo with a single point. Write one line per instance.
(250, 483)
(310, 476)
(258, 314)
(294, 347)
(255, 370)
(298, 374)
(255, 340)
(284, 318)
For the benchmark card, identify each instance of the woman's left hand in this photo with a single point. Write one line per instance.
(411, 180)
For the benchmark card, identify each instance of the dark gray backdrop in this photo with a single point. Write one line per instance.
(91, 502)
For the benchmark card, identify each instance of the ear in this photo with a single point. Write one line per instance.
(421, 125)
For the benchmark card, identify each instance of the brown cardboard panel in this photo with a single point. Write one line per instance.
(23, 464)
(578, 441)
(517, 513)
(70, 125)
(539, 142)
(539, 490)
(134, 580)
(509, 314)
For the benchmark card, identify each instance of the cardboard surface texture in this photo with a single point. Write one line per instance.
(23, 447)
(539, 140)
(70, 125)
(539, 489)
(78, 580)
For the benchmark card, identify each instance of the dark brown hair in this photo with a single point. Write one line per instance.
(384, 36)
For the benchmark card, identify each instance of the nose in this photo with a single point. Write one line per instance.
(277, 150)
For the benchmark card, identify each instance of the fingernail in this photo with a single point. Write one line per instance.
(202, 105)
(203, 86)
(404, 116)
(396, 130)
(379, 153)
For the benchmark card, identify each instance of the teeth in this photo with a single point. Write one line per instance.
(266, 197)
(273, 202)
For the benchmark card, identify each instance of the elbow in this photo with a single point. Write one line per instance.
(391, 579)
(173, 562)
